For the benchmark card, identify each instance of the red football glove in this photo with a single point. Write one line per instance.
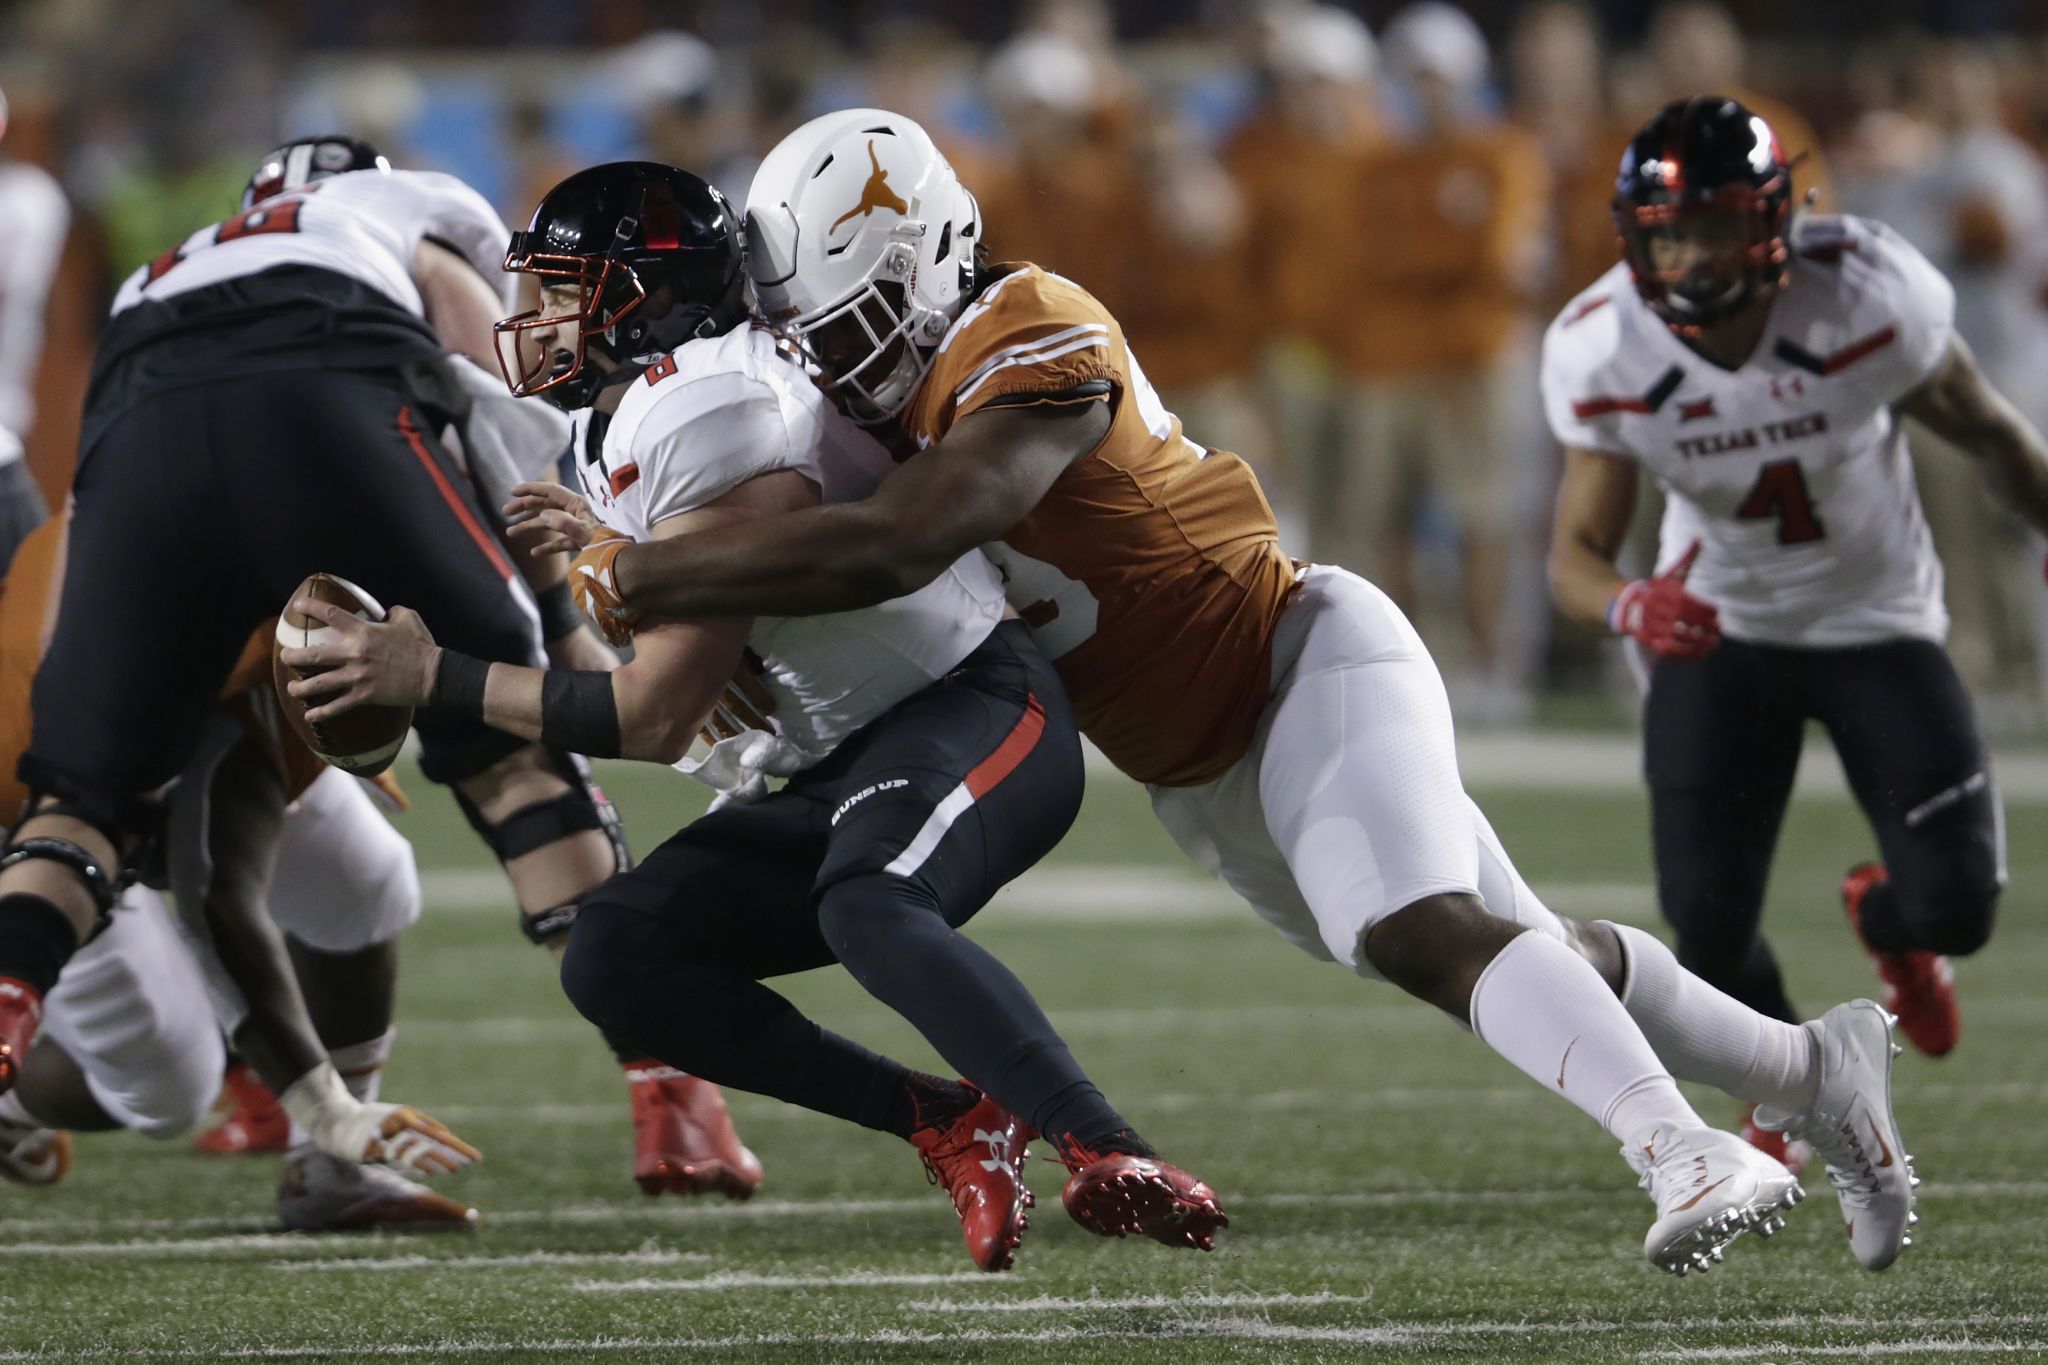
(1670, 621)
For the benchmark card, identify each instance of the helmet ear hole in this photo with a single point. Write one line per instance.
(945, 242)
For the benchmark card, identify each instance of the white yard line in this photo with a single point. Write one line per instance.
(1931, 1346)
(679, 1213)
(743, 1279)
(1047, 1304)
(1093, 894)
(523, 1260)
(751, 1112)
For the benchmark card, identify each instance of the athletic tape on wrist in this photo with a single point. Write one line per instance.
(559, 614)
(459, 683)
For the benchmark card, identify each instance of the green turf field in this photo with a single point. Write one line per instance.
(1398, 1192)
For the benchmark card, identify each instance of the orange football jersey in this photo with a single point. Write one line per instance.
(1151, 573)
(28, 607)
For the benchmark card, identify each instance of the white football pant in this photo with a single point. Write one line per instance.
(1348, 806)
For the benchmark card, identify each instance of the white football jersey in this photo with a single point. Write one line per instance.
(722, 410)
(1791, 471)
(367, 225)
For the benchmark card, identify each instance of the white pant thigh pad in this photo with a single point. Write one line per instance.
(344, 879)
(132, 1010)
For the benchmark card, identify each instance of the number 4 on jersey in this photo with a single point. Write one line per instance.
(1780, 493)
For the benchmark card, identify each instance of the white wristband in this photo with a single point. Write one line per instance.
(320, 1104)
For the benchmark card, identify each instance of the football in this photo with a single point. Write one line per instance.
(367, 739)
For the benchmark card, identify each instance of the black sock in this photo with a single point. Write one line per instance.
(722, 1025)
(1076, 1152)
(968, 1005)
(926, 1101)
(1878, 920)
(626, 1053)
(36, 940)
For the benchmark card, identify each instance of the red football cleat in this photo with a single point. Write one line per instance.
(1118, 1193)
(683, 1139)
(979, 1158)
(255, 1121)
(1786, 1151)
(1920, 987)
(21, 1011)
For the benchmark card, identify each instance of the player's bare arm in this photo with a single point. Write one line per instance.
(277, 1037)
(970, 488)
(1594, 503)
(648, 709)
(461, 306)
(1958, 404)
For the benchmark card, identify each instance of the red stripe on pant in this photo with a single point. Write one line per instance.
(485, 541)
(1019, 742)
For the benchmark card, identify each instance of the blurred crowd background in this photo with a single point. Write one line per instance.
(1333, 233)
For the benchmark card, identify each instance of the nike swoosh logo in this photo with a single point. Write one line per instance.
(1562, 1060)
(1881, 1146)
(1703, 1194)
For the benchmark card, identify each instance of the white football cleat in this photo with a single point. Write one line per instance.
(322, 1193)
(1710, 1187)
(1854, 1131)
(33, 1156)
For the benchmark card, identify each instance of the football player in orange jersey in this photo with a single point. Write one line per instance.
(1290, 724)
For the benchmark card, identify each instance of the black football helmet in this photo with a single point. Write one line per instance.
(657, 258)
(308, 159)
(1702, 203)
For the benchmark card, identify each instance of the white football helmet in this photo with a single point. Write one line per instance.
(860, 240)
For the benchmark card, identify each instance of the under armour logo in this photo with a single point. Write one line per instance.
(999, 1148)
(1788, 387)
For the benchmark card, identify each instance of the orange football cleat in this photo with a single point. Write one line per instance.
(1113, 1194)
(1786, 1151)
(21, 1012)
(322, 1193)
(683, 1138)
(1920, 987)
(255, 1121)
(979, 1158)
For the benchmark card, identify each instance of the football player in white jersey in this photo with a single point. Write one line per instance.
(265, 402)
(931, 751)
(1758, 368)
(1289, 722)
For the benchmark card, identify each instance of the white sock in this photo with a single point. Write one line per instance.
(362, 1070)
(1704, 1035)
(362, 1065)
(1544, 1008)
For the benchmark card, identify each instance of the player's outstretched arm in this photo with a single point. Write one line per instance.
(991, 469)
(1958, 404)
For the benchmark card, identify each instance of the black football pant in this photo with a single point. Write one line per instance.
(198, 512)
(1722, 736)
(872, 859)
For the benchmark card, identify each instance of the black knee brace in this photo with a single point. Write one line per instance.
(581, 808)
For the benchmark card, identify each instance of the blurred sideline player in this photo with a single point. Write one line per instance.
(1291, 725)
(33, 221)
(264, 403)
(1758, 371)
(931, 752)
(131, 1036)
